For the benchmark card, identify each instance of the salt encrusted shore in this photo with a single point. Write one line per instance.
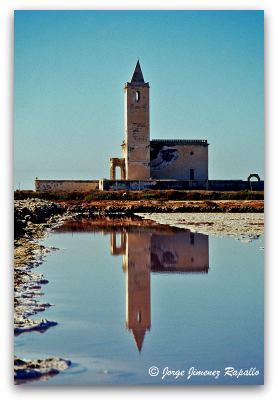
(38, 369)
(243, 226)
(33, 220)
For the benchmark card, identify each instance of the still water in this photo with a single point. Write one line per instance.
(131, 298)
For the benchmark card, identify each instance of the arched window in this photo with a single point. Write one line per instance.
(137, 96)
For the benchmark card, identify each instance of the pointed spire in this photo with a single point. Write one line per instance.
(139, 338)
(137, 77)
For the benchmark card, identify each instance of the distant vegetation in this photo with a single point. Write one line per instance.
(140, 195)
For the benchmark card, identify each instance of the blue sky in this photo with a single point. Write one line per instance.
(205, 70)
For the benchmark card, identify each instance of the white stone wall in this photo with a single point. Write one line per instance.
(174, 161)
(180, 252)
(65, 185)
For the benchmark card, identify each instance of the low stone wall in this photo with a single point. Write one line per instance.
(44, 185)
(108, 184)
(217, 185)
(235, 185)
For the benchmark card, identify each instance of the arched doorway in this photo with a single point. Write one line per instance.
(117, 163)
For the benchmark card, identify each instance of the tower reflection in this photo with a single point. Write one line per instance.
(157, 251)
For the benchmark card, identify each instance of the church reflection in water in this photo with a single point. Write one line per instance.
(147, 251)
(156, 249)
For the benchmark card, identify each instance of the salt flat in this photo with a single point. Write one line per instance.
(243, 226)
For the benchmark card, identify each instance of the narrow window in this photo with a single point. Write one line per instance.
(137, 96)
(191, 174)
(192, 238)
(139, 317)
(191, 153)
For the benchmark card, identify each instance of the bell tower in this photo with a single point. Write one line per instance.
(136, 147)
(138, 285)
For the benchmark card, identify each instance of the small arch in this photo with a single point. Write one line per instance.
(118, 172)
(117, 246)
(118, 240)
(137, 96)
(256, 176)
(117, 163)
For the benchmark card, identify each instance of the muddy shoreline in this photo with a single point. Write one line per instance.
(35, 218)
(130, 207)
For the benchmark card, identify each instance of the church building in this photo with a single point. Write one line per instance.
(146, 159)
(151, 163)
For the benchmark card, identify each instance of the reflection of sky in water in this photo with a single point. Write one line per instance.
(127, 300)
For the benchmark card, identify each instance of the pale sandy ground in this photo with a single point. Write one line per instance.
(243, 226)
